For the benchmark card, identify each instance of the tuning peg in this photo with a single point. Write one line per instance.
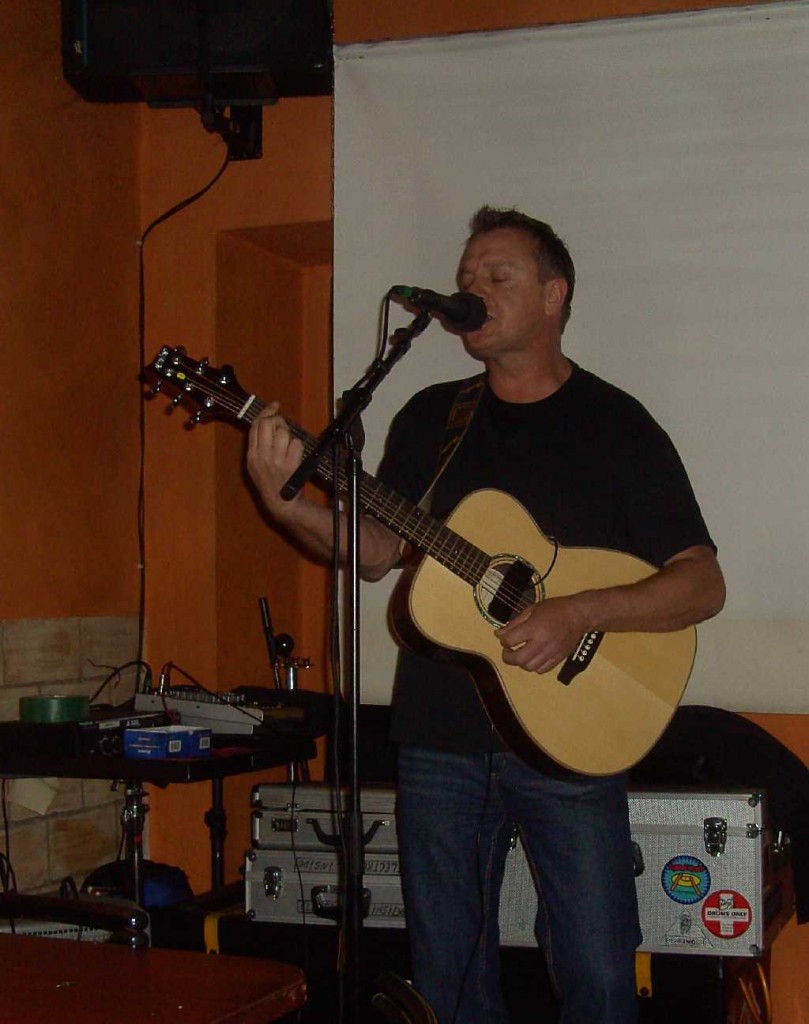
(157, 387)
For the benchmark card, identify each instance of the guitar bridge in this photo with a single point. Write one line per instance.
(580, 658)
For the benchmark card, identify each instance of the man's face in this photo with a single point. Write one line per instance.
(501, 267)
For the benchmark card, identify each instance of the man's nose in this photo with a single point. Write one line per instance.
(475, 285)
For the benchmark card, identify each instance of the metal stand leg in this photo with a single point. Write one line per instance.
(297, 771)
(133, 818)
(216, 820)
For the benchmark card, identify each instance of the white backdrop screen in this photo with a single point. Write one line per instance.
(672, 154)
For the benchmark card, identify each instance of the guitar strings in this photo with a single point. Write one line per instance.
(512, 597)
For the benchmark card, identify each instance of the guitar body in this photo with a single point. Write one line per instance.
(613, 711)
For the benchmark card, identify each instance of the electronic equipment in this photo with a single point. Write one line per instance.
(232, 713)
(54, 930)
(100, 734)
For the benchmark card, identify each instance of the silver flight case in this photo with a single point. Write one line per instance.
(711, 877)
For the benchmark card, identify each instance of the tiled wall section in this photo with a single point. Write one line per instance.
(76, 827)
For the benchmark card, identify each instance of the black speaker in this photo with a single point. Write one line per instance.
(198, 53)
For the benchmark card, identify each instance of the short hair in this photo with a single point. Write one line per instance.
(552, 256)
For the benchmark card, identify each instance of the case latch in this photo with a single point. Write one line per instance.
(715, 831)
(273, 882)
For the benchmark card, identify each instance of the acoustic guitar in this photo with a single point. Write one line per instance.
(597, 713)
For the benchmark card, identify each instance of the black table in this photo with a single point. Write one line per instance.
(134, 772)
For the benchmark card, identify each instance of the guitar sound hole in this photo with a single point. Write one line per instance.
(508, 585)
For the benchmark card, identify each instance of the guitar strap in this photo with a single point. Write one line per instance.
(458, 420)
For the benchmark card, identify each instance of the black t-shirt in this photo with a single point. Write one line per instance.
(590, 465)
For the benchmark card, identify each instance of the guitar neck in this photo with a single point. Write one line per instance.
(405, 519)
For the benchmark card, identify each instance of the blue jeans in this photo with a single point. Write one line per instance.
(456, 814)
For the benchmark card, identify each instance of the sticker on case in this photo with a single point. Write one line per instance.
(685, 879)
(727, 914)
(685, 931)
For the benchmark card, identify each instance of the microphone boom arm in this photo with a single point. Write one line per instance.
(354, 401)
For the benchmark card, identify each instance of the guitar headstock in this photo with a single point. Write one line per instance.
(208, 391)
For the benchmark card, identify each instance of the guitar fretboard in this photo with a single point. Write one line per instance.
(404, 518)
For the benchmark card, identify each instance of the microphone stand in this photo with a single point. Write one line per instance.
(283, 645)
(269, 636)
(338, 432)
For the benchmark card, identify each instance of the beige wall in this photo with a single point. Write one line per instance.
(60, 828)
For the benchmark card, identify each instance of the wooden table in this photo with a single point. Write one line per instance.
(47, 980)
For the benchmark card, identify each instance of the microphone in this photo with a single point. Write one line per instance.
(463, 310)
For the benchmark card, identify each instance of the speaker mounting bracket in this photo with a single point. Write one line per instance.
(239, 125)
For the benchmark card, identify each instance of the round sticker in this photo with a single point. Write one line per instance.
(727, 914)
(685, 879)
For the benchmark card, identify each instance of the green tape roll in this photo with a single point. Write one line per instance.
(59, 708)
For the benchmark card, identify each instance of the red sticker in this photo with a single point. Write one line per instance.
(726, 914)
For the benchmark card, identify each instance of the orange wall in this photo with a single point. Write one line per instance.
(191, 507)
(274, 290)
(68, 275)
(291, 183)
(356, 21)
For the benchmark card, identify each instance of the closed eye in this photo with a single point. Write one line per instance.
(465, 281)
